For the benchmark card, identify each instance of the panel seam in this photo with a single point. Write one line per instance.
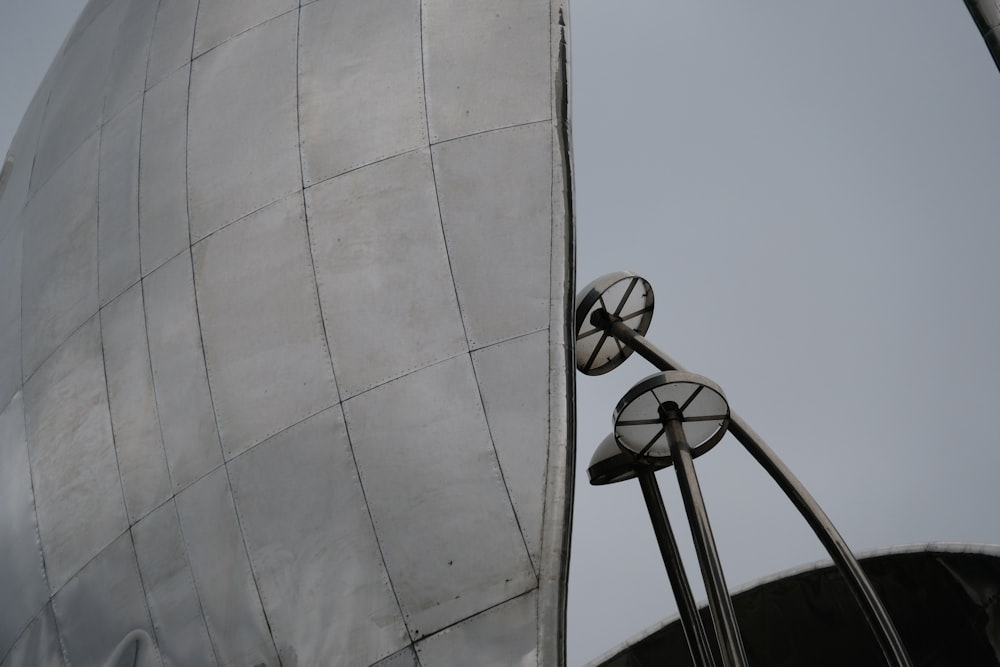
(462, 315)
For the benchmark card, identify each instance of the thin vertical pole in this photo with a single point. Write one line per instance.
(727, 631)
(694, 631)
(864, 593)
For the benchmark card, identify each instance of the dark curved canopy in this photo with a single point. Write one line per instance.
(945, 603)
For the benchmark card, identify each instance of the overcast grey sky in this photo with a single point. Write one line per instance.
(811, 187)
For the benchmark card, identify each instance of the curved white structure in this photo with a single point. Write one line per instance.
(284, 373)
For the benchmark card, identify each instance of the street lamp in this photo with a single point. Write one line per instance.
(611, 464)
(612, 316)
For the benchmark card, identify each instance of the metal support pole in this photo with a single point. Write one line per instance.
(871, 606)
(727, 631)
(694, 631)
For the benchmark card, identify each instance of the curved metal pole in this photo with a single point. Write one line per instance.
(694, 631)
(727, 631)
(871, 606)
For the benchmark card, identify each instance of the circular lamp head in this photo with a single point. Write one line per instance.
(611, 464)
(623, 295)
(702, 406)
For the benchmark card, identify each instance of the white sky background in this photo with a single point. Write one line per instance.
(812, 189)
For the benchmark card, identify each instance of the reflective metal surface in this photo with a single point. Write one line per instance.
(373, 231)
(183, 400)
(170, 45)
(500, 636)
(375, 121)
(243, 89)
(74, 468)
(38, 644)
(135, 422)
(59, 257)
(127, 75)
(284, 306)
(163, 206)
(486, 65)
(10, 315)
(424, 452)
(261, 265)
(23, 578)
(118, 203)
(502, 279)
(110, 589)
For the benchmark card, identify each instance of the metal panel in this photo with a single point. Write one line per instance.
(170, 590)
(222, 574)
(163, 211)
(372, 50)
(20, 157)
(266, 373)
(101, 605)
(513, 378)
(127, 78)
(118, 203)
(313, 548)
(243, 118)
(91, 10)
(173, 33)
(502, 277)
(38, 645)
(183, 401)
(78, 493)
(503, 636)
(134, 421)
(383, 270)
(59, 280)
(22, 578)
(486, 64)
(405, 658)
(432, 482)
(221, 20)
(10, 315)
(73, 111)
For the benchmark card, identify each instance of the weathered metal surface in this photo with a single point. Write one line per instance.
(284, 379)
(78, 493)
(59, 260)
(187, 418)
(22, 578)
(135, 422)
(241, 126)
(110, 590)
(163, 205)
(284, 490)
(174, 605)
(118, 203)
(272, 371)
(431, 477)
(384, 113)
(382, 269)
(500, 636)
(501, 277)
(10, 315)
(511, 377)
(38, 644)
